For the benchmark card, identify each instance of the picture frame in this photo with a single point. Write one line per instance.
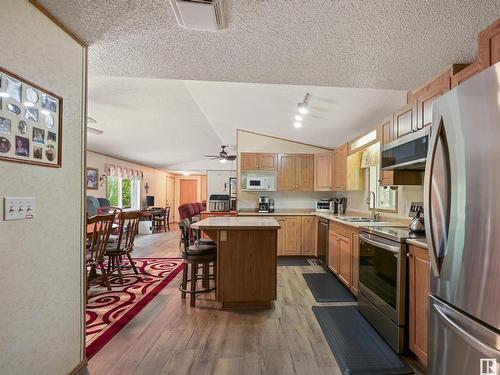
(92, 178)
(28, 113)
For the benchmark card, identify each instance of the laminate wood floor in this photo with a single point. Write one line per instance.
(170, 337)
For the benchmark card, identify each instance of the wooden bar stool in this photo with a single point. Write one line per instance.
(196, 256)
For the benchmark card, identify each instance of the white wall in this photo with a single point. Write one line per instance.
(156, 179)
(218, 182)
(251, 142)
(41, 283)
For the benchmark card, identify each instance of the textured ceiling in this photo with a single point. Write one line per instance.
(171, 124)
(394, 44)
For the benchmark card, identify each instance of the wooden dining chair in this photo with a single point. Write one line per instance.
(129, 224)
(167, 217)
(159, 220)
(99, 228)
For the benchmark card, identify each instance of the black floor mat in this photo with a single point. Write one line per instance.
(325, 287)
(292, 261)
(357, 347)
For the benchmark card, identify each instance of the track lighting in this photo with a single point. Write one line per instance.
(297, 124)
(298, 118)
(303, 105)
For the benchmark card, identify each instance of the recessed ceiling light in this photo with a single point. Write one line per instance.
(298, 118)
(186, 173)
(297, 124)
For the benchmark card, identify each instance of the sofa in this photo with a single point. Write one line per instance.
(190, 210)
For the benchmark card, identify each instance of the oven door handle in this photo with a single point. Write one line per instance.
(393, 249)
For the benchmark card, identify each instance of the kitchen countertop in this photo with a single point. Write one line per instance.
(235, 222)
(280, 212)
(417, 242)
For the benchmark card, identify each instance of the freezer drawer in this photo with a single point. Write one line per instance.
(457, 344)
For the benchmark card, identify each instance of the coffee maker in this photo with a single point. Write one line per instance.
(264, 204)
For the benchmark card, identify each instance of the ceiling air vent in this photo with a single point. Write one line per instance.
(199, 14)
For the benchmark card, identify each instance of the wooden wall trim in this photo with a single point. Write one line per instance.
(284, 139)
(54, 19)
(79, 368)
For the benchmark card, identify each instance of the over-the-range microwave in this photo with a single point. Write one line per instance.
(408, 152)
(260, 183)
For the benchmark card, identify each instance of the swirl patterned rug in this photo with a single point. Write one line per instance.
(109, 311)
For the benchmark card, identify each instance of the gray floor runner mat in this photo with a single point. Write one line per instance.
(292, 261)
(325, 287)
(357, 347)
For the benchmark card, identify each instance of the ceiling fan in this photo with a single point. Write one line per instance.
(223, 157)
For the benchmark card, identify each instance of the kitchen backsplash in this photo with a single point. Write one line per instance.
(248, 200)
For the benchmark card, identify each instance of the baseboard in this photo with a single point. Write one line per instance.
(80, 369)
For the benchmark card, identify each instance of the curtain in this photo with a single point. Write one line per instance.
(370, 157)
(124, 172)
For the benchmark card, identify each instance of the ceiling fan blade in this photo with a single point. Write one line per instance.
(231, 157)
(211, 156)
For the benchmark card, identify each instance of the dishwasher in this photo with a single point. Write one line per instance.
(323, 241)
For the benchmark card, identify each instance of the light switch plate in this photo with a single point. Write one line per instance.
(223, 235)
(18, 208)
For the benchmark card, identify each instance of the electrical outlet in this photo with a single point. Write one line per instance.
(18, 208)
(223, 235)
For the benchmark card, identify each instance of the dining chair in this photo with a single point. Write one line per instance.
(159, 219)
(99, 228)
(129, 224)
(167, 217)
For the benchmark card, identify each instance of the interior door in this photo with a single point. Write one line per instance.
(188, 191)
(462, 204)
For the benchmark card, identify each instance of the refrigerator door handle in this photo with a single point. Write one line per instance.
(473, 341)
(438, 129)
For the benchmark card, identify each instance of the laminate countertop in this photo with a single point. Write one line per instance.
(417, 242)
(237, 222)
(281, 212)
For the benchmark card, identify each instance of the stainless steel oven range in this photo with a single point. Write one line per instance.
(382, 295)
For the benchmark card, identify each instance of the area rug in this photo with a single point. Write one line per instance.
(109, 311)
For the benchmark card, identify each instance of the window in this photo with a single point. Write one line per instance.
(385, 198)
(123, 192)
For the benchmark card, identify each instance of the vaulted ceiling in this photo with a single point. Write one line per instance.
(355, 57)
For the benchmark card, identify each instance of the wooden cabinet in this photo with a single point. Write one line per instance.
(333, 252)
(258, 161)
(345, 260)
(304, 172)
(295, 172)
(355, 263)
(308, 235)
(465, 74)
(289, 236)
(418, 302)
(323, 171)
(404, 120)
(339, 172)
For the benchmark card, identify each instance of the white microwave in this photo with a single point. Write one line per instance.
(259, 183)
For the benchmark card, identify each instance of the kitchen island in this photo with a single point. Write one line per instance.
(246, 273)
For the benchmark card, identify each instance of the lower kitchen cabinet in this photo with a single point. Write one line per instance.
(308, 235)
(343, 254)
(419, 302)
(355, 263)
(297, 235)
(333, 252)
(345, 260)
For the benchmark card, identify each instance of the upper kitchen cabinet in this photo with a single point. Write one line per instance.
(295, 172)
(488, 54)
(425, 95)
(323, 171)
(405, 120)
(347, 174)
(251, 161)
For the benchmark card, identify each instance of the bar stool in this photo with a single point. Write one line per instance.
(196, 255)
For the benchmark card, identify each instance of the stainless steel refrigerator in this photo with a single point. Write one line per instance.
(462, 209)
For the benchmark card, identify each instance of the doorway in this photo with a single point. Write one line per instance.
(188, 191)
